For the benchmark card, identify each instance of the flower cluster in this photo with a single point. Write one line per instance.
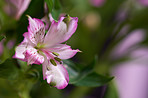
(43, 48)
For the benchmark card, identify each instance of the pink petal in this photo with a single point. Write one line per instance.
(59, 31)
(23, 6)
(16, 8)
(26, 52)
(55, 74)
(46, 20)
(133, 39)
(33, 57)
(131, 80)
(10, 44)
(20, 49)
(64, 51)
(143, 2)
(139, 53)
(36, 30)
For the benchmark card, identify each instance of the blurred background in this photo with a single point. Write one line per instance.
(111, 33)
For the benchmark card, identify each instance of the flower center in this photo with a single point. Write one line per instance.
(39, 46)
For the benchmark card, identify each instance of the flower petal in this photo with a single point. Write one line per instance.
(64, 51)
(60, 31)
(16, 8)
(131, 80)
(20, 49)
(56, 76)
(36, 30)
(26, 52)
(33, 57)
(125, 46)
(23, 6)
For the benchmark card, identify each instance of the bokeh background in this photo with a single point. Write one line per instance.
(114, 32)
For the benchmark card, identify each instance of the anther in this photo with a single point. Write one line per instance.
(53, 62)
(57, 59)
(54, 53)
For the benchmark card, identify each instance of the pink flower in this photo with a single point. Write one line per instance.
(46, 49)
(16, 8)
(97, 3)
(131, 76)
(143, 2)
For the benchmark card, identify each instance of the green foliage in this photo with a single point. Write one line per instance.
(17, 78)
(80, 76)
(8, 70)
(93, 80)
(111, 91)
(49, 4)
(54, 8)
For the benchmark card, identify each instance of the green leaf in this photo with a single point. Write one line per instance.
(49, 4)
(93, 80)
(73, 70)
(85, 76)
(8, 70)
(56, 10)
(76, 72)
(112, 91)
(54, 7)
(55, 14)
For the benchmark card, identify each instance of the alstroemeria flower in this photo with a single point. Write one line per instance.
(16, 8)
(131, 75)
(46, 49)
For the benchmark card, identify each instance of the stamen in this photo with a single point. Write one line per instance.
(57, 59)
(54, 53)
(48, 68)
(53, 62)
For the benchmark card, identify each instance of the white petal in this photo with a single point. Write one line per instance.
(36, 30)
(19, 51)
(56, 75)
(33, 57)
(125, 46)
(64, 51)
(60, 31)
(28, 53)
